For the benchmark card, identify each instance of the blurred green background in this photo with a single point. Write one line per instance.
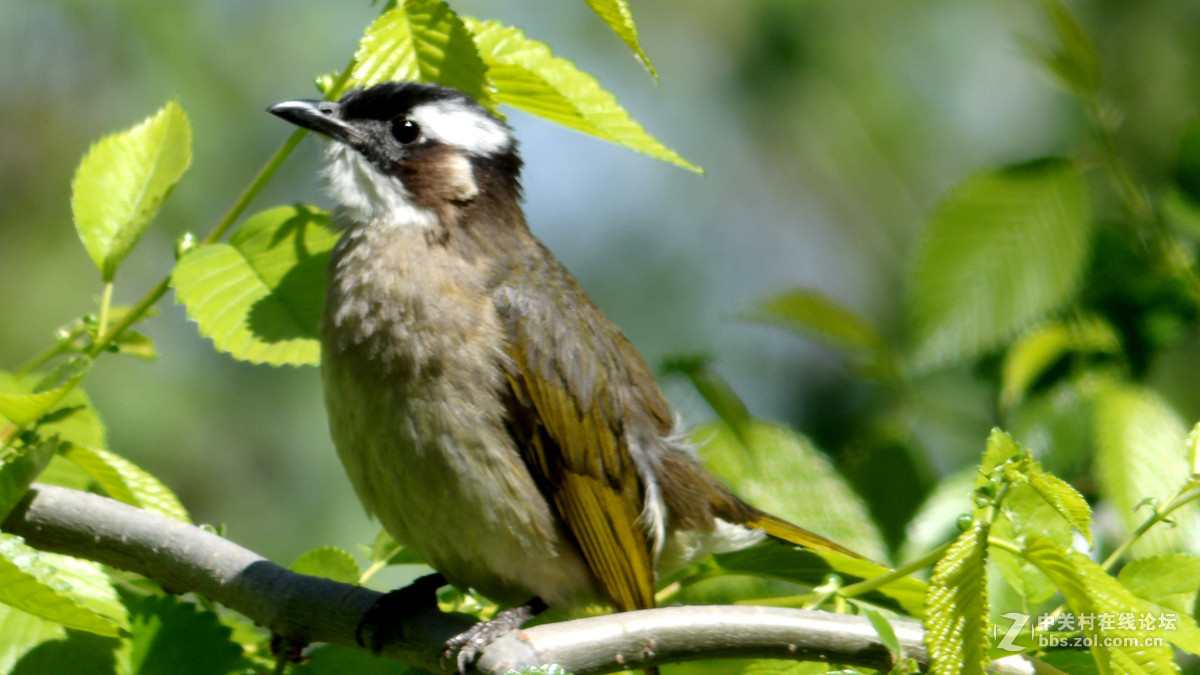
(828, 131)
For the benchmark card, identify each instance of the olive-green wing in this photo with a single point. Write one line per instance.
(575, 383)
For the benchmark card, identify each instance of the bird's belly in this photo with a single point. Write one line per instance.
(429, 455)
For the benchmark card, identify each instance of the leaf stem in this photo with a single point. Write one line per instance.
(1188, 493)
(868, 585)
(105, 306)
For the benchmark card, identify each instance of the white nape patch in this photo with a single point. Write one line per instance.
(367, 194)
(463, 127)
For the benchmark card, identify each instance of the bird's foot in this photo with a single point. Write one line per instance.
(470, 642)
(381, 623)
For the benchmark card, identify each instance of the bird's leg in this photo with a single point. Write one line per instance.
(469, 643)
(381, 622)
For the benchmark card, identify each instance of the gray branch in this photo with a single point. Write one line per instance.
(307, 609)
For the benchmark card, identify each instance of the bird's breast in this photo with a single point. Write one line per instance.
(413, 366)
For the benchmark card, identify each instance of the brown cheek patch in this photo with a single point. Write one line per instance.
(438, 176)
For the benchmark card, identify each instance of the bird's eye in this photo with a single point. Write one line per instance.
(405, 130)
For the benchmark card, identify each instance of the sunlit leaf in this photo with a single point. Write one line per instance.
(781, 472)
(123, 180)
(1001, 251)
(75, 593)
(1090, 591)
(956, 608)
(20, 469)
(1170, 584)
(421, 41)
(259, 297)
(126, 482)
(527, 76)
(329, 562)
(1141, 454)
(1043, 346)
(813, 314)
(617, 15)
(716, 391)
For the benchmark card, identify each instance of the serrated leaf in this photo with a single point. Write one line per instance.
(813, 314)
(1002, 250)
(126, 482)
(1089, 590)
(421, 41)
(526, 75)
(956, 608)
(337, 660)
(259, 297)
(329, 562)
(1001, 449)
(172, 636)
(619, 17)
(773, 560)
(72, 418)
(23, 409)
(781, 472)
(20, 469)
(1025, 512)
(57, 588)
(1042, 347)
(32, 644)
(1169, 584)
(1141, 454)
(123, 180)
(1065, 500)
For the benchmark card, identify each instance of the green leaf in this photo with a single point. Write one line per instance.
(1000, 450)
(716, 391)
(887, 634)
(526, 75)
(337, 660)
(1073, 61)
(1002, 250)
(329, 562)
(75, 593)
(774, 560)
(21, 469)
(1024, 512)
(1141, 454)
(1090, 591)
(1035, 352)
(172, 636)
(617, 15)
(126, 482)
(33, 645)
(422, 41)
(1187, 163)
(1065, 500)
(1193, 450)
(71, 418)
(956, 608)
(1168, 583)
(811, 313)
(123, 180)
(259, 297)
(781, 472)
(26, 408)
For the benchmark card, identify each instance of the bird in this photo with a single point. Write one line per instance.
(491, 417)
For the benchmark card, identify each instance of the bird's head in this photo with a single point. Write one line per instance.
(409, 154)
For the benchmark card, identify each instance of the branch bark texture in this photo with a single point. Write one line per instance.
(302, 608)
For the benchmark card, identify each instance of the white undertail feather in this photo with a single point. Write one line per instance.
(368, 195)
(463, 127)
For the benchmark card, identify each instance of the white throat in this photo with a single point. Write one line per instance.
(367, 195)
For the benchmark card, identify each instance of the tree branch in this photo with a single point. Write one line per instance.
(302, 608)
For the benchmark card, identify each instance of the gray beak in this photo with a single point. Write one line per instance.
(323, 117)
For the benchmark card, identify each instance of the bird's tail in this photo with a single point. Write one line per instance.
(792, 534)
